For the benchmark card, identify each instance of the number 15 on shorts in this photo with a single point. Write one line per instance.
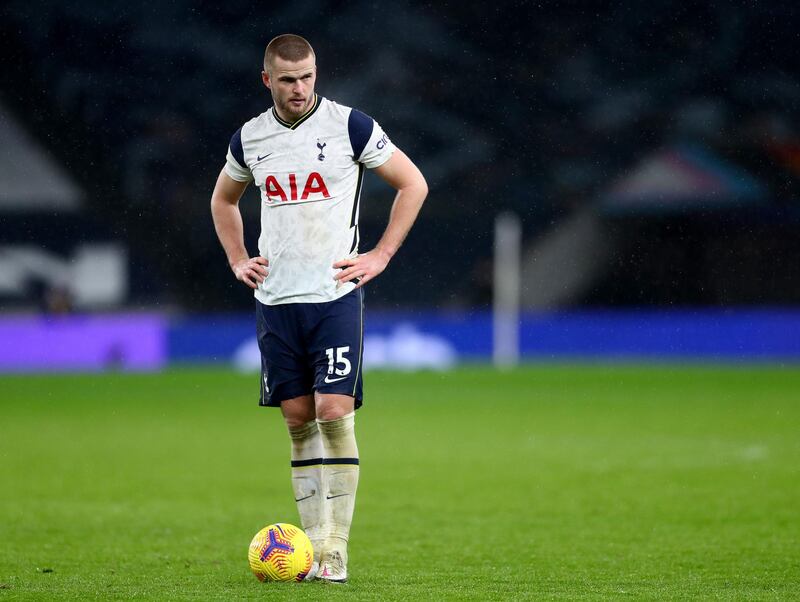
(337, 363)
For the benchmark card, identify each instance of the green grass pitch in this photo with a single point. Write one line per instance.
(548, 482)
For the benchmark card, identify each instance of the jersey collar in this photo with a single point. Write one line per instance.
(305, 116)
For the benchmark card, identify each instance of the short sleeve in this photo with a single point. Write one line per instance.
(371, 146)
(235, 165)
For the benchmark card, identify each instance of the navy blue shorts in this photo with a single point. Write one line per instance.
(307, 347)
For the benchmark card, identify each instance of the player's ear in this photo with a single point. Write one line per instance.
(265, 79)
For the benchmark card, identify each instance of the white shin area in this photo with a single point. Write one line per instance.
(339, 479)
(307, 455)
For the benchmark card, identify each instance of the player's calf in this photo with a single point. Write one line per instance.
(340, 483)
(307, 458)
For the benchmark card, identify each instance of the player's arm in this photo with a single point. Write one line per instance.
(401, 174)
(228, 223)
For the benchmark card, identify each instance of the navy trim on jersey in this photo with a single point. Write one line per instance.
(361, 344)
(355, 240)
(359, 126)
(303, 118)
(236, 148)
(356, 202)
(357, 198)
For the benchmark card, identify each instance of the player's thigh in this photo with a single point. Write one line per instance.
(337, 347)
(285, 373)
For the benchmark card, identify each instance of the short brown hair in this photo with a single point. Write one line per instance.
(289, 47)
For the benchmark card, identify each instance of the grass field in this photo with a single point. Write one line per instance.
(549, 482)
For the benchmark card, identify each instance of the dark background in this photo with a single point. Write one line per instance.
(533, 108)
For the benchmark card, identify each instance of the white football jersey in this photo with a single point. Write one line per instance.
(309, 174)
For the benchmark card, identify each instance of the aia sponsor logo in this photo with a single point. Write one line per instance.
(277, 193)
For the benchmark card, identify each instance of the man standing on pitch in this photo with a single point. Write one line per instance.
(307, 155)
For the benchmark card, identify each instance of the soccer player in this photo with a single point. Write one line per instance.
(307, 155)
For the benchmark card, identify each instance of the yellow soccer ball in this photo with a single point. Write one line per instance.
(281, 552)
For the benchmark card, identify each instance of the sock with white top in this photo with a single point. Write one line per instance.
(307, 458)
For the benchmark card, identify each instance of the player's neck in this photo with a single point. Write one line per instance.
(291, 118)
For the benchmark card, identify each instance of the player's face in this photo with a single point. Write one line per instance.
(292, 86)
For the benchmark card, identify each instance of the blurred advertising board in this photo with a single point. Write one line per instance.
(403, 340)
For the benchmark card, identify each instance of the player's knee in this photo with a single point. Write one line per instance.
(330, 414)
(294, 422)
(298, 411)
(332, 407)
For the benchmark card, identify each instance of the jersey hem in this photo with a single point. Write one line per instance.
(341, 292)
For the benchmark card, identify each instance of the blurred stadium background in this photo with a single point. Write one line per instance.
(651, 152)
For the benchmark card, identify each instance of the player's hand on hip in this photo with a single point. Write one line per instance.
(252, 271)
(364, 267)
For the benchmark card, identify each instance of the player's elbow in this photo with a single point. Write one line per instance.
(417, 186)
(216, 202)
(422, 188)
(220, 201)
